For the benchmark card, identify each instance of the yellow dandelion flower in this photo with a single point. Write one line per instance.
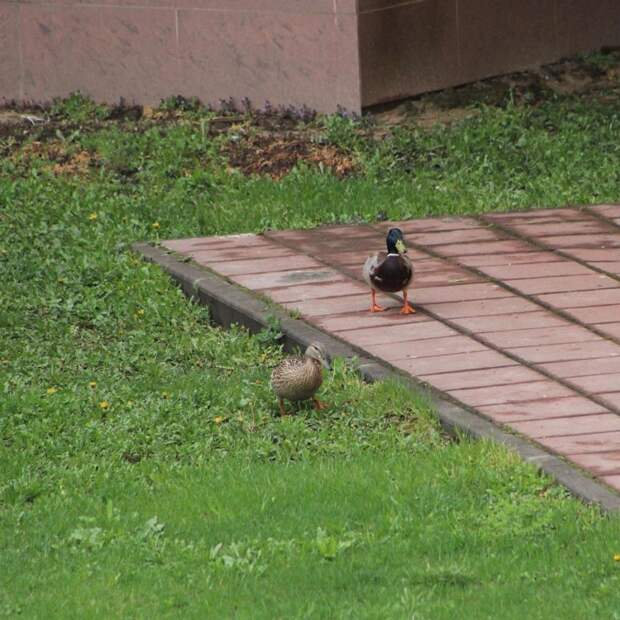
(165, 395)
(218, 419)
(104, 404)
(92, 384)
(616, 557)
(52, 390)
(156, 225)
(92, 217)
(129, 403)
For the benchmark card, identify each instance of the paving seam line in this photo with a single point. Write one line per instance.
(603, 219)
(230, 304)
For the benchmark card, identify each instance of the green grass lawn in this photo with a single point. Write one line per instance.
(144, 472)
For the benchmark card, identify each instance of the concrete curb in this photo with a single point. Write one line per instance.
(230, 304)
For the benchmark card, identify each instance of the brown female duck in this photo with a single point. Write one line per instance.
(299, 377)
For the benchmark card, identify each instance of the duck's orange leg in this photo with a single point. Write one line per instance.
(374, 306)
(318, 405)
(406, 309)
(281, 406)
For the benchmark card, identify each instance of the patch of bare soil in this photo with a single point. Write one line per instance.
(79, 164)
(13, 122)
(426, 116)
(576, 76)
(62, 160)
(10, 119)
(581, 77)
(20, 124)
(276, 154)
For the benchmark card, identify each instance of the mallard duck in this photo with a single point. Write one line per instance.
(390, 271)
(299, 377)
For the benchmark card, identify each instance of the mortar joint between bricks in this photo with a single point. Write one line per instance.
(610, 223)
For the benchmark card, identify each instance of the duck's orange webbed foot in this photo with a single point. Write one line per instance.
(374, 306)
(406, 309)
(318, 405)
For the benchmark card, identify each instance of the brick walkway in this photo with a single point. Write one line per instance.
(518, 314)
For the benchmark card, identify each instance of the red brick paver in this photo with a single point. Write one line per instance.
(542, 409)
(518, 314)
(578, 425)
(600, 463)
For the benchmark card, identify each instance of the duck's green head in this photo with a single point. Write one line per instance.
(396, 242)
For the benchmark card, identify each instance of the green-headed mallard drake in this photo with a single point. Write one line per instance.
(299, 377)
(390, 271)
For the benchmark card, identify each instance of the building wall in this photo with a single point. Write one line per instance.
(9, 51)
(413, 46)
(319, 53)
(291, 52)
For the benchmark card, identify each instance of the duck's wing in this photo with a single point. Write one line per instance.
(288, 367)
(371, 268)
(296, 378)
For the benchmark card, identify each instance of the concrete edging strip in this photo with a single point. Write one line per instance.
(230, 304)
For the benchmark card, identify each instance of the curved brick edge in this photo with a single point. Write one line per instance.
(230, 304)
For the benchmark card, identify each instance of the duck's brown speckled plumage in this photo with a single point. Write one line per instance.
(299, 377)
